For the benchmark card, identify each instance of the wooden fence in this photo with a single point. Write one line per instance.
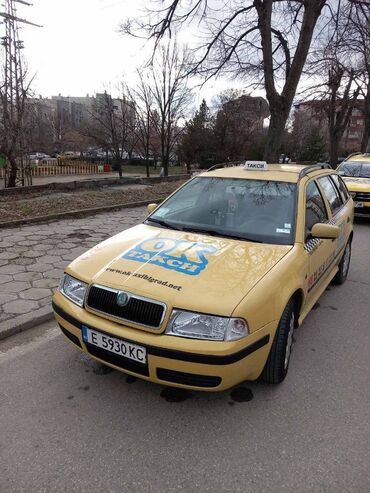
(52, 168)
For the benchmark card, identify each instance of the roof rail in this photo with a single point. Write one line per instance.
(354, 154)
(313, 167)
(230, 164)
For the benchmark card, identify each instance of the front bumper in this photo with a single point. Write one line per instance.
(363, 211)
(173, 361)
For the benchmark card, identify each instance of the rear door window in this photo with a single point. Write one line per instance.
(331, 193)
(341, 187)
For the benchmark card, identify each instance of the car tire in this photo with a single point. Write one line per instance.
(277, 364)
(343, 266)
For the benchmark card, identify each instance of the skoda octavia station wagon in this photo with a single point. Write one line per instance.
(207, 291)
(355, 171)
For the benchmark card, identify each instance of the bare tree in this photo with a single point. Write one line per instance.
(38, 124)
(111, 126)
(339, 73)
(340, 105)
(171, 96)
(263, 41)
(358, 45)
(12, 131)
(144, 128)
(14, 90)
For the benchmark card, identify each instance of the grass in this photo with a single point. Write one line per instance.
(11, 208)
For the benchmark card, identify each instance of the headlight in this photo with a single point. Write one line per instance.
(200, 326)
(73, 289)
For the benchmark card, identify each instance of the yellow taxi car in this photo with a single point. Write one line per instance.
(355, 171)
(207, 291)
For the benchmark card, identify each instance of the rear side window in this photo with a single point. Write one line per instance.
(331, 194)
(341, 186)
(315, 207)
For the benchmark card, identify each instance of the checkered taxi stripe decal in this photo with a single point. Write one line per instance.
(311, 245)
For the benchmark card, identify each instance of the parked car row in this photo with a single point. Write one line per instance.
(39, 156)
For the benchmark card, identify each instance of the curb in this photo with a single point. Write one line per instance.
(76, 213)
(22, 322)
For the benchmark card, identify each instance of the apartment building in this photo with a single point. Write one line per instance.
(314, 113)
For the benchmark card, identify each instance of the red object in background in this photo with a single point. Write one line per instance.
(107, 168)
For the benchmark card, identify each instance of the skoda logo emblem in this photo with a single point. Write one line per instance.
(122, 299)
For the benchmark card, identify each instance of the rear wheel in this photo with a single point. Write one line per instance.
(277, 363)
(343, 266)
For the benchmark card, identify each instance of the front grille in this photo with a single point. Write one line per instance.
(362, 196)
(138, 310)
(117, 360)
(363, 211)
(191, 379)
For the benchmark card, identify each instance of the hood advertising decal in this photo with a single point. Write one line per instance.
(187, 257)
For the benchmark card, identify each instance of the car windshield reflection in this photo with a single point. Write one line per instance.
(251, 210)
(355, 169)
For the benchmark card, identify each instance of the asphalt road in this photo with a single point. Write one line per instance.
(66, 428)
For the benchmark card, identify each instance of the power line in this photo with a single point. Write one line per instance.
(13, 95)
(17, 19)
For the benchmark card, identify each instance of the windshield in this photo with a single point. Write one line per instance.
(255, 210)
(357, 169)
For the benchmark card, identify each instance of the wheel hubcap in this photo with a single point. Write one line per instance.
(289, 341)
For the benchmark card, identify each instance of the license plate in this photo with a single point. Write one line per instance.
(359, 204)
(114, 345)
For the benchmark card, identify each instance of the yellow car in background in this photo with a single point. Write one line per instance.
(355, 171)
(207, 291)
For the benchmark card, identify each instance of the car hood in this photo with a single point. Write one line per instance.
(184, 270)
(357, 184)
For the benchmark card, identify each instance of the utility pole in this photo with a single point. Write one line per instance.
(13, 95)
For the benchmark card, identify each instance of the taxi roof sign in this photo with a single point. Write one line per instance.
(256, 165)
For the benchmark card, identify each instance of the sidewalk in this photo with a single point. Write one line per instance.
(32, 259)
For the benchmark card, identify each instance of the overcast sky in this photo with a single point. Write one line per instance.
(79, 49)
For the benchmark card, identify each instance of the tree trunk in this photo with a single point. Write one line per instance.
(12, 180)
(274, 137)
(118, 166)
(334, 151)
(165, 165)
(365, 134)
(147, 167)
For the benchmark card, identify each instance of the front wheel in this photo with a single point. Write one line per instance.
(276, 367)
(343, 266)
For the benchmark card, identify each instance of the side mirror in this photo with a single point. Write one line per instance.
(151, 207)
(325, 231)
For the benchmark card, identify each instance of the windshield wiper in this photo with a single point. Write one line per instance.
(165, 224)
(211, 232)
(215, 232)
